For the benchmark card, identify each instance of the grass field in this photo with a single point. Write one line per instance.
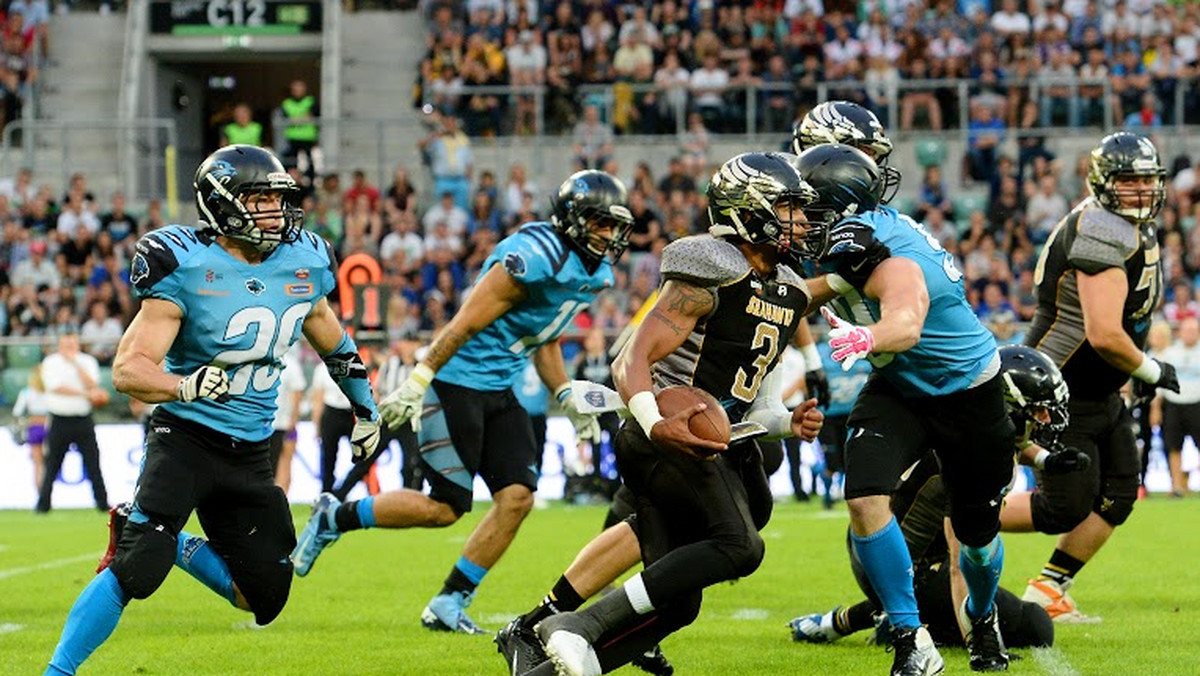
(357, 611)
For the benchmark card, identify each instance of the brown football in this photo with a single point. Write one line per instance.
(711, 423)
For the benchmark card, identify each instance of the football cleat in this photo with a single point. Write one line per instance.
(448, 612)
(1058, 603)
(320, 532)
(815, 628)
(653, 661)
(117, 516)
(520, 646)
(915, 653)
(571, 653)
(984, 643)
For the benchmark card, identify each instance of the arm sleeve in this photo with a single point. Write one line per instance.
(768, 409)
(854, 252)
(347, 369)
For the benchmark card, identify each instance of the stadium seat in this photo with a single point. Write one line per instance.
(13, 381)
(23, 355)
(931, 152)
(967, 203)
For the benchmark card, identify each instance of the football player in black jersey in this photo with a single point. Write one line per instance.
(729, 303)
(1098, 281)
(1036, 398)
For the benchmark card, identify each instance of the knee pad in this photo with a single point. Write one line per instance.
(1114, 510)
(975, 525)
(265, 586)
(144, 557)
(746, 553)
(1058, 516)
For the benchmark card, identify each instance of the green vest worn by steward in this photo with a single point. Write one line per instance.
(250, 134)
(295, 109)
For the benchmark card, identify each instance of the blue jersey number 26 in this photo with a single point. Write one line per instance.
(272, 337)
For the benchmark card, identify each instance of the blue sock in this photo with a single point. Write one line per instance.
(981, 568)
(885, 558)
(366, 512)
(193, 554)
(472, 571)
(90, 623)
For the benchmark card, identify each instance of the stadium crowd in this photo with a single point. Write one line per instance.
(64, 258)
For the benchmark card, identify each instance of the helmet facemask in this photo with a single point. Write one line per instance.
(1044, 418)
(585, 225)
(1127, 177)
(231, 214)
(1131, 196)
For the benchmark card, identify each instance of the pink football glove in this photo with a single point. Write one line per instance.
(848, 342)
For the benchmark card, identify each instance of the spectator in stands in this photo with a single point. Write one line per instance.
(676, 180)
(75, 214)
(402, 248)
(1045, 209)
(484, 215)
(75, 256)
(1166, 68)
(994, 302)
(1059, 105)
(1091, 96)
(708, 85)
(1010, 20)
(18, 72)
(1146, 117)
(359, 186)
(985, 134)
(1182, 304)
(514, 190)
(447, 211)
(923, 99)
(634, 50)
(100, 333)
(563, 75)
(776, 99)
(243, 129)
(881, 81)
(117, 222)
(593, 140)
(401, 193)
(36, 14)
(360, 219)
(527, 61)
(1130, 82)
(37, 270)
(301, 112)
(932, 195)
(694, 146)
(451, 160)
(597, 31)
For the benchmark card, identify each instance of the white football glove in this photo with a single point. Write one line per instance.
(406, 402)
(587, 427)
(206, 382)
(364, 438)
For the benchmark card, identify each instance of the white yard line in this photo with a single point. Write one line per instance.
(1054, 662)
(9, 627)
(48, 565)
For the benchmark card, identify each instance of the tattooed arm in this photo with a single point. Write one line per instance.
(679, 307)
(495, 293)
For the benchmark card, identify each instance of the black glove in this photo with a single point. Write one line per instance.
(818, 386)
(1143, 391)
(1066, 460)
(1167, 380)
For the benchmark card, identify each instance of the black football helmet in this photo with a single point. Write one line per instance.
(227, 177)
(584, 200)
(847, 182)
(1036, 394)
(1124, 154)
(850, 124)
(742, 202)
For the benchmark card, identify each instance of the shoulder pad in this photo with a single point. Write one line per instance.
(850, 236)
(533, 253)
(703, 260)
(786, 275)
(157, 254)
(1102, 239)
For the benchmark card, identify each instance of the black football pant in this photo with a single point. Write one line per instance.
(63, 431)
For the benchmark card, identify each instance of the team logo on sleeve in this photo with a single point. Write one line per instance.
(514, 264)
(139, 269)
(255, 286)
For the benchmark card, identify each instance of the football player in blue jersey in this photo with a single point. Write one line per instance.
(898, 301)
(221, 304)
(460, 398)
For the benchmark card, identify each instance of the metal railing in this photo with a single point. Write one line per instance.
(151, 139)
(747, 116)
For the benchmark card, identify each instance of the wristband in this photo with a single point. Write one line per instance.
(1149, 371)
(561, 392)
(1039, 461)
(838, 283)
(422, 374)
(644, 408)
(812, 358)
